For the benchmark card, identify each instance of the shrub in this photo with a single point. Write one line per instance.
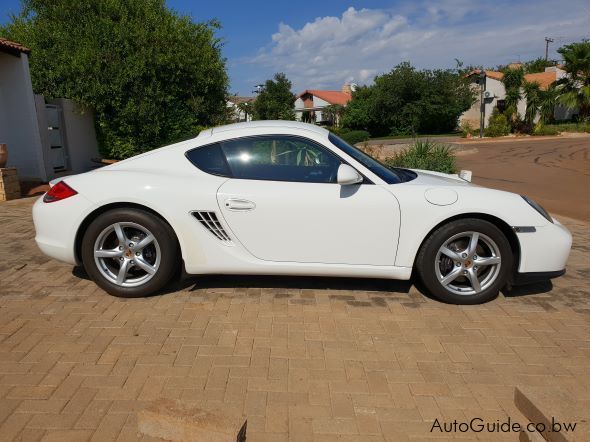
(355, 136)
(541, 129)
(498, 125)
(427, 155)
(338, 130)
(467, 129)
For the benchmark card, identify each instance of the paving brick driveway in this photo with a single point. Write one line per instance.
(302, 358)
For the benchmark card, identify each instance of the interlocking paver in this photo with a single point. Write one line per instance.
(302, 358)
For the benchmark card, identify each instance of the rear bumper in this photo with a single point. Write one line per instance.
(533, 277)
(56, 225)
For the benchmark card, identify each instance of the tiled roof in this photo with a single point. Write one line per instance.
(238, 100)
(12, 47)
(332, 97)
(545, 79)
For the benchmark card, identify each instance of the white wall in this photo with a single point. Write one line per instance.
(80, 135)
(18, 118)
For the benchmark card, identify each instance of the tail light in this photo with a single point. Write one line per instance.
(59, 192)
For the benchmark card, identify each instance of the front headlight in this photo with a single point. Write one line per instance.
(538, 208)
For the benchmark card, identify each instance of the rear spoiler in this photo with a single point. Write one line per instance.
(54, 181)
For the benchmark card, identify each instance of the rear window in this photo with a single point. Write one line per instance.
(209, 159)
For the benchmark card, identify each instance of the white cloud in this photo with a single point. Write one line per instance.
(361, 43)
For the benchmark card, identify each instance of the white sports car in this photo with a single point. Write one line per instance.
(286, 198)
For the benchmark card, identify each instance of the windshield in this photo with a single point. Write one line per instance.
(390, 176)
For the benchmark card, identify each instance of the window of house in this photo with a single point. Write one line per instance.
(501, 105)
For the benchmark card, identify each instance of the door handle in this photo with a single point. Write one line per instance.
(239, 204)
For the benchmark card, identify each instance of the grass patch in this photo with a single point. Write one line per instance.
(427, 155)
(545, 130)
(570, 127)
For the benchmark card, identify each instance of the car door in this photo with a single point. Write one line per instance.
(283, 204)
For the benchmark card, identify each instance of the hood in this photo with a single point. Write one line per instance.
(431, 178)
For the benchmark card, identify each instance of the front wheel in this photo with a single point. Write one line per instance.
(129, 252)
(466, 261)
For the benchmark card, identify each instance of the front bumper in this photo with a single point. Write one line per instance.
(545, 250)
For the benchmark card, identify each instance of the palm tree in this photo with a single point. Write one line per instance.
(246, 108)
(532, 92)
(575, 87)
(513, 81)
(548, 100)
(332, 113)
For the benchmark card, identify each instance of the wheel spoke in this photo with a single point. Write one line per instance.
(450, 253)
(487, 261)
(144, 265)
(453, 274)
(474, 280)
(123, 272)
(120, 234)
(144, 242)
(472, 244)
(114, 253)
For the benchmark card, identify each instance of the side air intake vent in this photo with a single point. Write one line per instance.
(211, 223)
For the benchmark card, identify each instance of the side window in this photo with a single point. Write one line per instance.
(209, 159)
(281, 158)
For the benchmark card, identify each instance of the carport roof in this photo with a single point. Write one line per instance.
(12, 47)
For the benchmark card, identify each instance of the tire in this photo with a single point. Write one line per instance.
(453, 270)
(130, 253)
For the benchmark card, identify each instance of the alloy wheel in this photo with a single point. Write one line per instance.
(468, 263)
(127, 254)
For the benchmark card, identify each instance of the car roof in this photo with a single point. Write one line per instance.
(275, 124)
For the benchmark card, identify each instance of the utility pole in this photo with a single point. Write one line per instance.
(482, 108)
(547, 41)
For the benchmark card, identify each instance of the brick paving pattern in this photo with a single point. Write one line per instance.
(303, 358)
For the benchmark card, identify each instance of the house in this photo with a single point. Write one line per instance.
(310, 103)
(238, 113)
(45, 139)
(496, 94)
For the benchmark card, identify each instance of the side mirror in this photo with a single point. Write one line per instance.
(348, 175)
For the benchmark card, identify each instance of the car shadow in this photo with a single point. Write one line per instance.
(298, 282)
(528, 290)
(202, 282)
(80, 272)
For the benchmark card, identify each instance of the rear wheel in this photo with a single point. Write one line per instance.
(130, 252)
(466, 261)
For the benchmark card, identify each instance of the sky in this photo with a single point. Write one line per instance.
(324, 43)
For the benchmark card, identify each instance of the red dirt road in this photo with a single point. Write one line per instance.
(555, 172)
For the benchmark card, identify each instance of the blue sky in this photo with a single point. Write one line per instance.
(322, 44)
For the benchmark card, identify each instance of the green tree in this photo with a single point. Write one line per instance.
(537, 65)
(333, 113)
(532, 92)
(275, 101)
(575, 87)
(358, 112)
(548, 100)
(513, 81)
(408, 101)
(150, 75)
(245, 107)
